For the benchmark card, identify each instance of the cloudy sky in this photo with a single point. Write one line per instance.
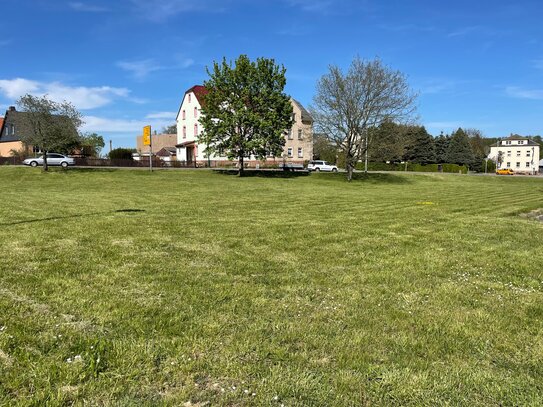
(127, 63)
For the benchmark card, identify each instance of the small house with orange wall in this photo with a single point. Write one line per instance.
(9, 128)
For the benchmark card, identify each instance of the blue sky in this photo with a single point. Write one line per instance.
(127, 63)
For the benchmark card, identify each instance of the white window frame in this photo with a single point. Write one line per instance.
(289, 152)
(300, 152)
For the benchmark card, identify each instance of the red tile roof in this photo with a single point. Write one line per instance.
(1, 122)
(199, 91)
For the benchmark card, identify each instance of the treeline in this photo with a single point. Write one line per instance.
(395, 143)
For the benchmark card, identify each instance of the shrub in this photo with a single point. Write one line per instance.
(120, 154)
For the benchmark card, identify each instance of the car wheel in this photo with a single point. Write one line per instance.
(33, 164)
(64, 164)
(334, 169)
(317, 169)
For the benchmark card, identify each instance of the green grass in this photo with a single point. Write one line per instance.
(192, 287)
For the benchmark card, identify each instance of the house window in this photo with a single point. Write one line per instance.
(289, 134)
(293, 117)
(195, 129)
(518, 153)
(300, 152)
(184, 131)
(528, 164)
(508, 164)
(195, 112)
(521, 142)
(189, 98)
(12, 126)
(289, 152)
(508, 153)
(518, 165)
(300, 133)
(508, 142)
(184, 114)
(528, 153)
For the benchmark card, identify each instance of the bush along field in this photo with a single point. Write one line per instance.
(124, 287)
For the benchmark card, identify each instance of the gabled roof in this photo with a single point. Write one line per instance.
(166, 151)
(200, 91)
(306, 116)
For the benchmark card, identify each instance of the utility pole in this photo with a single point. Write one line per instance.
(110, 146)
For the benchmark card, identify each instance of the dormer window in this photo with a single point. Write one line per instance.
(189, 98)
(521, 141)
(12, 129)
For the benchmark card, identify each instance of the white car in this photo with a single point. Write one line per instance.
(52, 159)
(318, 165)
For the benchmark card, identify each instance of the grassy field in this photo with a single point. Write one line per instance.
(189, 287)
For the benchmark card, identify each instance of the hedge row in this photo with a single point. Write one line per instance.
(452, 168)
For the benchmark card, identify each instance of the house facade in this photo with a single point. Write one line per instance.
(519, 154)
(298, 139)
(9, 133)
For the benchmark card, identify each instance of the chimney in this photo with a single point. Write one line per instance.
(12, 108)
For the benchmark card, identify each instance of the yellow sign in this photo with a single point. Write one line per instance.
(147, 136)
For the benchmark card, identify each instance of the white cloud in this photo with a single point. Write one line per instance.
(162, 115)
(327, 7)
(142, 68)
(463, 31)
(516, 92)
(86, 7)
(133, 126)
(18, 87)
(81, 96)
(158, 10)
(312, 5)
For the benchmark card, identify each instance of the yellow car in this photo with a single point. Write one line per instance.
(505, 171)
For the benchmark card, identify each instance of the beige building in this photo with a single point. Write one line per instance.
(519, 154)
(159, 141)
(298, 140)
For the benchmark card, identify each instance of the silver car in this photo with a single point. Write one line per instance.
(318, 165)
(52, 159)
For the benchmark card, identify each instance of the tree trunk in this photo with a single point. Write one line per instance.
(350, 170)
(45, 167)
(241, 169)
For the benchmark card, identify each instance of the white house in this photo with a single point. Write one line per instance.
(517, 153)
(298, 139)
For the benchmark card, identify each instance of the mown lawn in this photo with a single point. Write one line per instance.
(123, 287)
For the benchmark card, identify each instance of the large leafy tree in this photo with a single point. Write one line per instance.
(91, 144)
(347, 105)
(245, 111)
(459, 151)
(48, 125)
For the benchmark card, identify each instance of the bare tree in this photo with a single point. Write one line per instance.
(347, 106)
(48, 125)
